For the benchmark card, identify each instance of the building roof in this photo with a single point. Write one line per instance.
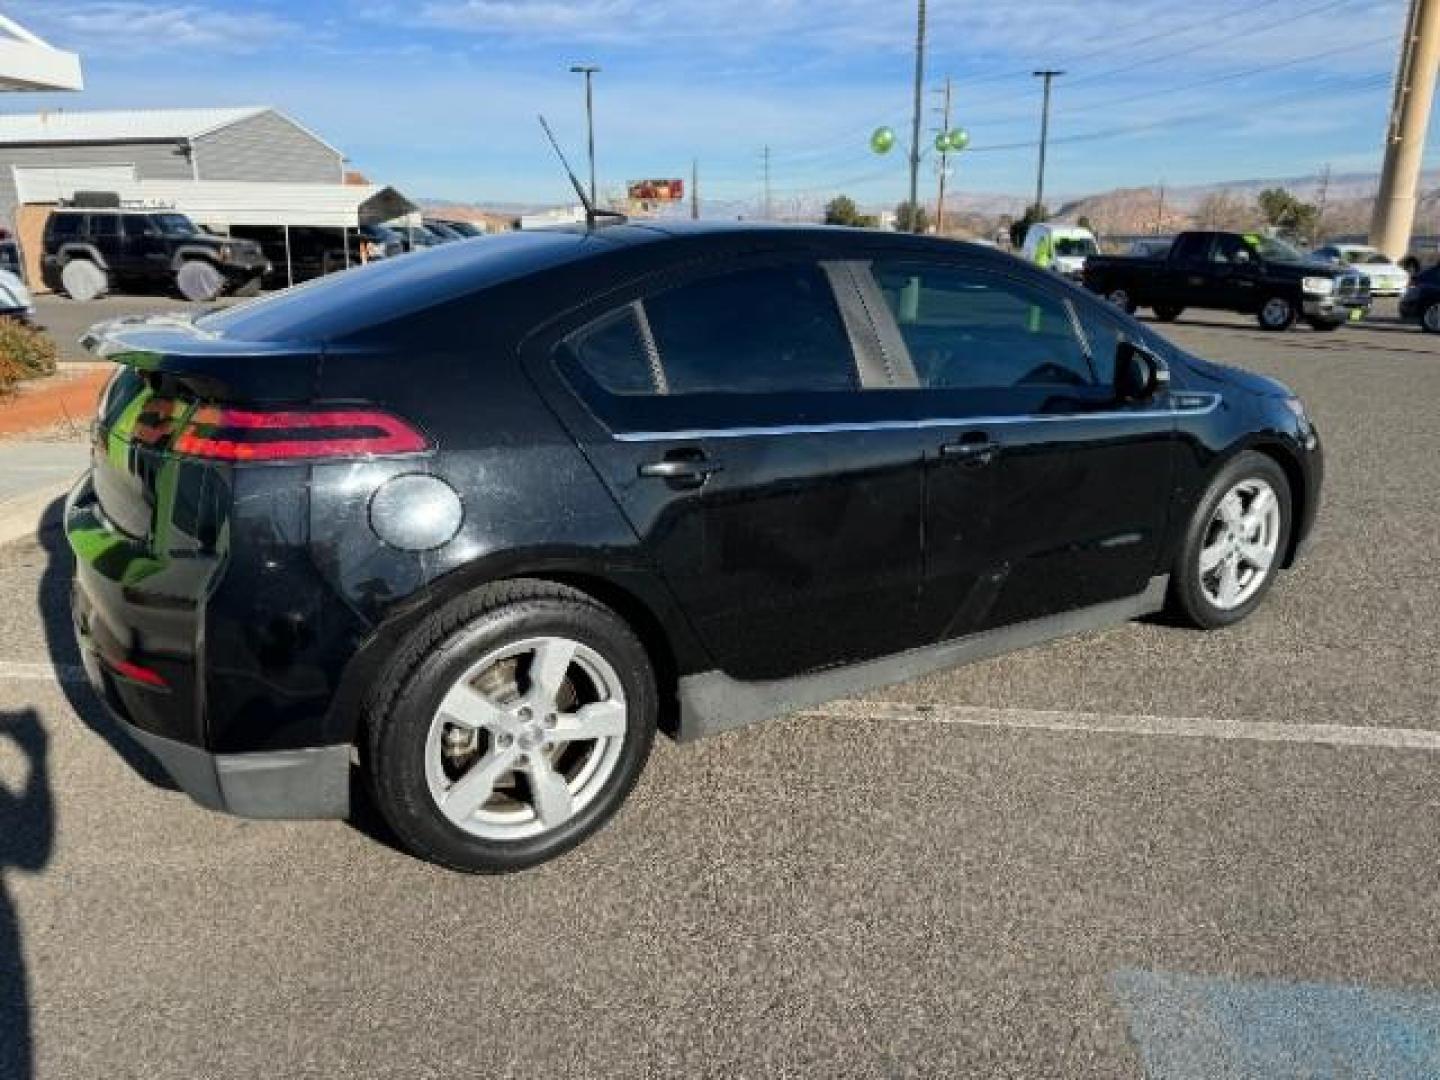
(127, 125)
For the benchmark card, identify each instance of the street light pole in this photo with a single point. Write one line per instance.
(1048, 75)
(589, 70)
(914, 222)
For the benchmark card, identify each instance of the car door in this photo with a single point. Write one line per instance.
(1233, 283)
(1186, 281)
(104, 233)
(781, 503)
(145, 248)
(1013, 383)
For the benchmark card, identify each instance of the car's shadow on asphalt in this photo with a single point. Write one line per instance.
(27, 837)
(53, 601)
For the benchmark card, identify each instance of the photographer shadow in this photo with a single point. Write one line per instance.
(27, 838)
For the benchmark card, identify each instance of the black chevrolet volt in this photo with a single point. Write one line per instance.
(474, 524)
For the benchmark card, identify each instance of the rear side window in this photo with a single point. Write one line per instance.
(970, 329)
(763, 330)
(613, 352)
(1191, 246)
(63, 226)
(104, 225)
(768, 329)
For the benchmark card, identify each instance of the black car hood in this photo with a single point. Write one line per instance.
(1207, 371)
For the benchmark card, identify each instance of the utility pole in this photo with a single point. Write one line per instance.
(1160, 211)
(913, 225)
(1324, 198)
(765, 154)
(1394, 217)
(589, 71)
(1049, 75)
(944, 163)
(694, 189)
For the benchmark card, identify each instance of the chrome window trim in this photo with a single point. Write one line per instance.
(1209, 406)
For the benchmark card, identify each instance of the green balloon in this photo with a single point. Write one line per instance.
(882, 140)
(959, 139)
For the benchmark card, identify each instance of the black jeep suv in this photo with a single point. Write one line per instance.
(89, 251)
(482, 518)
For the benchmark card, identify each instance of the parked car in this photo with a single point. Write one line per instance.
(384, 242)
(1154, 247)
(15, 301)
(1242, 272)
(416, 237)
(1062, 248)
(466, 229)
(1420, 302)
(685, 476)
(90, 250)
(444, 229)
(1386, 277)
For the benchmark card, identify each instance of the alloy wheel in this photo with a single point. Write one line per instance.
(526, 738)
(1431, 318)
(1241, 543)
(1276, 312)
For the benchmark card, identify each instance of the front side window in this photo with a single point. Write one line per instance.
(971, 329)
(176, 225)
(1231, 250)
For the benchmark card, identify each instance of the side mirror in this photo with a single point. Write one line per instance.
(1139, 373)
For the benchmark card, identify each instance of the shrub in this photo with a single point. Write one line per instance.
(25, 353)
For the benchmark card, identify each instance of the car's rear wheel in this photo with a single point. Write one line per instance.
(1168, 312)
(83, 280)
(511, 729)
(1121, 299)
(199, 280)
(1430, 319)
(1234, 545)
(1277, 313)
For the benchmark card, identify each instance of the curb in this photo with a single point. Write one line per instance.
(25, 517)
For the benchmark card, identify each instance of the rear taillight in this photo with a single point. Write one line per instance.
(223, 433)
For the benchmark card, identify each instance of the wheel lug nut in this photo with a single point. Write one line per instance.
(550, 720)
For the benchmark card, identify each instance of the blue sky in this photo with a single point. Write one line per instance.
(439, 96)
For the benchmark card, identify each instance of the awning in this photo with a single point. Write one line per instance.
(222, 204)
(27, 63)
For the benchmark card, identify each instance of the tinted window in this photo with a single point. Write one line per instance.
(1231, 249)
(104, 225)
(968, 329)
(138, 225)
(1191, 246)
(66, 225)
(613, 353)
(763, 330)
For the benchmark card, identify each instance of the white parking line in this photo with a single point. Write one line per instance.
(1110, 724)
(16, 671)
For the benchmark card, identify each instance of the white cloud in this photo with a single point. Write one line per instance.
(152, 28)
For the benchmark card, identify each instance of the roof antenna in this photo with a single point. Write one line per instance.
(591, 213)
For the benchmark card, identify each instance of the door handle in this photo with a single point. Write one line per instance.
(688, 470)
(974, 449)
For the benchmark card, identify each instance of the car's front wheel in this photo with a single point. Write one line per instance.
(1122, 299)
(199, 280)
(511, 729)
(1234, 545)
(1430, 319)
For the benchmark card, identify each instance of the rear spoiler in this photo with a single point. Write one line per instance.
(173, 349)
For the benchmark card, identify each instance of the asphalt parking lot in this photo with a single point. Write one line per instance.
(1145, 852)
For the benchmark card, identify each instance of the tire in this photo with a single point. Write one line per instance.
(1277, 314)
(1168, 312)
(1198, 596)
(415, 752)
(1324, 326)
(1430, 319)
(248, 287)
(198, 280)
(83, 280)
(1121, 299)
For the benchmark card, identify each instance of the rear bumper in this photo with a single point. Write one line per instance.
(141, 641)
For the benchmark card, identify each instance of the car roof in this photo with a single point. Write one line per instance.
(341, 305)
